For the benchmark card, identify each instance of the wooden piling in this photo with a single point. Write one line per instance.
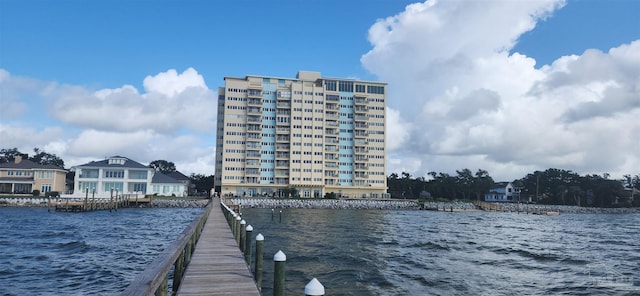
(279, 260)
(259, 260)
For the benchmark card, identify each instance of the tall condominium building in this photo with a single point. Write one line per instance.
(315, 134)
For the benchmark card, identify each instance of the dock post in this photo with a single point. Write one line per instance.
(259, 259)
(280, 216)
(86, 203)
(178, 272)
(242, 233)
(314, 288)
(117, 200)
(111, 200)
(279, 260)
(162, 290)
(271, 214)
(238, 219)
(247, 245)
(232, 224)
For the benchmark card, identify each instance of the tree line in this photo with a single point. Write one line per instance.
(552, 186)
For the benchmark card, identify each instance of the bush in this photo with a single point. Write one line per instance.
(52, 194)
(330, 195)
(35, 192)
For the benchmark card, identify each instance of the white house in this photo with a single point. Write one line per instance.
(165, 185)
(124, 175)
(501, 192)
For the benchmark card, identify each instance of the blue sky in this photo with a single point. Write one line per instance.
(138, 78)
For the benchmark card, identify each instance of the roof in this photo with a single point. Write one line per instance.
(26, 164)
(159, 177)
(105, 164)
(178, 176)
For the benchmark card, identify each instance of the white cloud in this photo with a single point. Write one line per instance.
(174, 119)
(172, 101)
(466, 102)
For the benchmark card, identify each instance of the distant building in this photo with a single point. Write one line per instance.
(501, 192)
(22, 176)
(125, 176)
(313, 133)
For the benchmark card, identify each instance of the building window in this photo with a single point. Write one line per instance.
(360, 88)
(45, 188)
(140, 187)
(45, 175)
(137, 174)
(345, 86)
(116, 186)
(330, 85)
(91, 186)
(119, 174)
(374, 89)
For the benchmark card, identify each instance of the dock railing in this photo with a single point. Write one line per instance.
(155, 278)
(242, 232)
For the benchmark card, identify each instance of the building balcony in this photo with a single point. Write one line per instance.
(331, 140)
(332, 99)
(360, 101)
(283, 105)
(359, 150)
(361, 118)
(361, 134)
(254, 93)
(254, 118)
(254, 102)
(255, 86)
(331, 132)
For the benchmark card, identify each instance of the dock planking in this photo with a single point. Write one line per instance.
(217, 265)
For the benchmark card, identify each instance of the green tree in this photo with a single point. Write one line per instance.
(44, 158)
(201, 182)
(163, 166)
(8, 155)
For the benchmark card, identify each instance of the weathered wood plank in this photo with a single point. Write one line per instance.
(217, 266)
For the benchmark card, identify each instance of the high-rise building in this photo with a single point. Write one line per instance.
(312, 133)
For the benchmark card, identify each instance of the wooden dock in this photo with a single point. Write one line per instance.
(217, 265)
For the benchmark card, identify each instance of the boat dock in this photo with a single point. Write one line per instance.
(96, 204)
(217, 266)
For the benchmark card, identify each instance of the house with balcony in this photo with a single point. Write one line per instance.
(23, 176)
(125, 176)
(501, 192)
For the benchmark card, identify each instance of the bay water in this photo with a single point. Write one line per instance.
(374, 252)
(351, 252)
(82, 253)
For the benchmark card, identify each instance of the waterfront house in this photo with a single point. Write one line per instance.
(125, 176)
(165, 185)
(501, 192)
(23, 176)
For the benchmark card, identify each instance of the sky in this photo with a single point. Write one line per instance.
(509, 87)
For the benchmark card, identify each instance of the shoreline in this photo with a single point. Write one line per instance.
(454, 206)
(39, 202)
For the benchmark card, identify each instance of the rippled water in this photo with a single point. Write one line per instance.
(373, 252)
(89, 253)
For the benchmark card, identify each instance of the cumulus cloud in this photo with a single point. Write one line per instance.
(467, 101)
(171, 101)
(172, 119)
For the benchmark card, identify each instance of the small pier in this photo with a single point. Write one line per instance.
(217, 266)
(488, 206)
(96, 204)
